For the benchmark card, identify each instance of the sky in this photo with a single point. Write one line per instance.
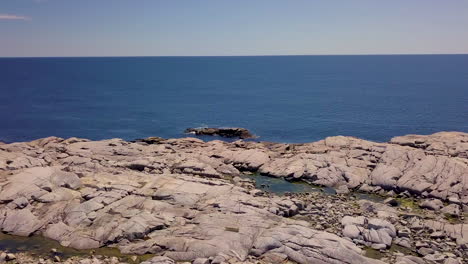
(44, 28)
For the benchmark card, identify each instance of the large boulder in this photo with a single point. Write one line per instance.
(374, 231)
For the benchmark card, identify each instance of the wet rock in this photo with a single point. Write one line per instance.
(231, 132)
(150, 140)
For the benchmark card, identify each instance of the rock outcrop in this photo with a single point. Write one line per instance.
(150, 199)
(174, 197)
(229, 132)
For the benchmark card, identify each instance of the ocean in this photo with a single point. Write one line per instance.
(279, 98)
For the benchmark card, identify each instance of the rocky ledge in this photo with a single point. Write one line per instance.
(182, 199)
(229, 132)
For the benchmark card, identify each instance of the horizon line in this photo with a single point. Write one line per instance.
(264, 55)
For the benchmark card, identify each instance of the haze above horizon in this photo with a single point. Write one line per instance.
(54, 28)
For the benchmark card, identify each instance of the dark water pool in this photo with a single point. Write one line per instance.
(42, 247)
(281, 186)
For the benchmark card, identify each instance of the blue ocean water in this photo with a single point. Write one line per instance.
(279, 98)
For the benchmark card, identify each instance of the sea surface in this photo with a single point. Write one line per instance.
(279, 98)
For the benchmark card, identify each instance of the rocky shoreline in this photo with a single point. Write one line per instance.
(184, 200)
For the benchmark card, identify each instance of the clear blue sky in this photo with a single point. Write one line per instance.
(231, 27)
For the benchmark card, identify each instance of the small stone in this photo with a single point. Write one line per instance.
(201, 261)
(391, 201)
(435, 257)
(256, 192)
(366, 188)
(21, 202)
(218, 260)
(405, 194)
(453, 199)
(452, 210)
(57, 259)
(425, 251)
(351, 231)
(465, 208)
(420, 244)
(404, 232)
(53, 250)
(437, 234)
(379, 246)
(404, 242)
(452, 261)
(274, 257)
(10, 256)
(342, 189)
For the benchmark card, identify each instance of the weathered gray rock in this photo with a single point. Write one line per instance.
(170, 205)
(453, 144)
(19, 222)
(201, 261)
(170, 198)
(376, 231)
(432, 204)
(410, 260)
(352, 231)
(452, 210)
(159, 260)
(452, 261)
